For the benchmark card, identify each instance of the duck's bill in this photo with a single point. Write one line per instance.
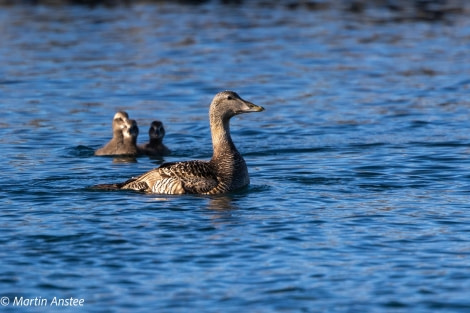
(251, 107)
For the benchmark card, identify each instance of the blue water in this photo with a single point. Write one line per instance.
(360, 184)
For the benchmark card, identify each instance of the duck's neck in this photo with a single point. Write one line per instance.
(132, 140)
(118, 137)
(155, 141)
(221, 140)
(128, 140)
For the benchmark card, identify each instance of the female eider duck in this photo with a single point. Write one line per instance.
(155, 145)
(125, 132)
(225, 172)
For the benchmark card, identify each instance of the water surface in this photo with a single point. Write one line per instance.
(359, 166)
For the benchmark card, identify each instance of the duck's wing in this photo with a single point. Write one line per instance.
(176, 178)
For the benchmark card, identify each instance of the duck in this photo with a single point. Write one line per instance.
(225, 172)
(124, 141)
(155, 146)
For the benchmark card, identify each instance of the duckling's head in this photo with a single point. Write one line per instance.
(130, 129)
(121, 115)
(119, 121)
(156, 131)
(227, 104)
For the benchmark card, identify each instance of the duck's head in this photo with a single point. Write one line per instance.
(156, 130)
(119, 121)
(121, 115)
(228, 103)
(130, 129)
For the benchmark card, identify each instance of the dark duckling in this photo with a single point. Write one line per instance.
(155, 146)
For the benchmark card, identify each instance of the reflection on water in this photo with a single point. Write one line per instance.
(359, 166)
(124, 159)
(222, 203)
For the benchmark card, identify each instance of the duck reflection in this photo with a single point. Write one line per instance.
(222, 203)
(124, 159)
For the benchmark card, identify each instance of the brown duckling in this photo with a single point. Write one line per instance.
(124, 139)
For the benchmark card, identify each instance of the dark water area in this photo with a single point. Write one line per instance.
(359, 166)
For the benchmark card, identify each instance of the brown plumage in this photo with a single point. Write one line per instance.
(225, 172)
(125, 132)
(155, 146)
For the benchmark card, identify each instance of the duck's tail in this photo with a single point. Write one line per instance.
(116, 186)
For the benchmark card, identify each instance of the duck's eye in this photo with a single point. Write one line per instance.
(229, 98)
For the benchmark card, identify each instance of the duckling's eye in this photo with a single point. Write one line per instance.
(229, 98)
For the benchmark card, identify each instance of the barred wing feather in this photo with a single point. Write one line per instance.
(176, 178)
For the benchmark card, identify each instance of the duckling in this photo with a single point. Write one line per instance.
(155, 146)
(124, 139)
